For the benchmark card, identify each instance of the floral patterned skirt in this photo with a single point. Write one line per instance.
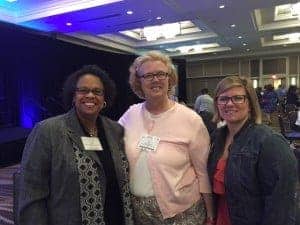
(146, 212)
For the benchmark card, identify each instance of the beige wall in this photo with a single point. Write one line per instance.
(206, 74)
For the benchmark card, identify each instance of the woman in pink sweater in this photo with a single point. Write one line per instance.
(167, 147)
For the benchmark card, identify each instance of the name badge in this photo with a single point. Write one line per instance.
(91, 143)
(148, 143)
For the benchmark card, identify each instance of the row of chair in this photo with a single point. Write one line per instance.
(287, 124)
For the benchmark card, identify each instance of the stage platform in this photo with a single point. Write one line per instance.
(12, 141)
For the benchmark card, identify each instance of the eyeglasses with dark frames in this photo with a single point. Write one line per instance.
(159, 75)
(235, 99)
(85, 91)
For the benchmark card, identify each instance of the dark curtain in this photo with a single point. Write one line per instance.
(37, 65)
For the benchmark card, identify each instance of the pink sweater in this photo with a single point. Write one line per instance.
(178, 167)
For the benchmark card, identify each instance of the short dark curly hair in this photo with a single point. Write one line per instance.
(71, 82)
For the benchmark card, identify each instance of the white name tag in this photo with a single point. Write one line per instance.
(91, 143)
(148, 143)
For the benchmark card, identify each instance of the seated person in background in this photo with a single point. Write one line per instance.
(259, 94)
(204, 102)
(292, 96)
(281, 92)
(204, 106)
(270, 101)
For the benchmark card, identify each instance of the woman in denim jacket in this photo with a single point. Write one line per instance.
(252, 169)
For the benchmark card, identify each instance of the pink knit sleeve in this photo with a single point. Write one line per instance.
(199, 150)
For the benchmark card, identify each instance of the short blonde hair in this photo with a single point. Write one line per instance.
(134, 80)
(238, 81)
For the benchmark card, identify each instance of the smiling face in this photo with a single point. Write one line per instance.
(88, 104)
(155, 88)
(234, 113)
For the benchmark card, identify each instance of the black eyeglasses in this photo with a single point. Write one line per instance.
(159, 75)
(235, 99)
(85, 91)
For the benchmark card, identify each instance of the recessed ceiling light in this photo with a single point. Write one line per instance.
(158, 18)
(129, 12)
(244, 44)
(232, 25)
(240, 37)
(69, 24)
(221, 6)
(248, 49)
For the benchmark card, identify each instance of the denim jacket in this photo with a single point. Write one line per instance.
(260, 176)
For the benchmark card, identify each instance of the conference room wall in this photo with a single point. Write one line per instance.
(268, 69)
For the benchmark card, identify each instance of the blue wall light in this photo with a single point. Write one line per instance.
(31, 110)
(26, 113)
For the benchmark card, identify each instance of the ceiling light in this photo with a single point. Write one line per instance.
(129, 12)
(232, 25)
(169, 30)
(244, 44)
(198, 48)
(221, 6)
(240, 37)
(295, 8)
(248, 49)
(185, 49)
(193, 48)
(294, 37)
(158, 18)
(291, 37)
(69, 24)
(162, 31)
(151, 33)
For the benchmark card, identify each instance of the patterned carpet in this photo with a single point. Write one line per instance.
(6, 194)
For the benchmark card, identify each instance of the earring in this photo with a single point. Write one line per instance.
(104, 105)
